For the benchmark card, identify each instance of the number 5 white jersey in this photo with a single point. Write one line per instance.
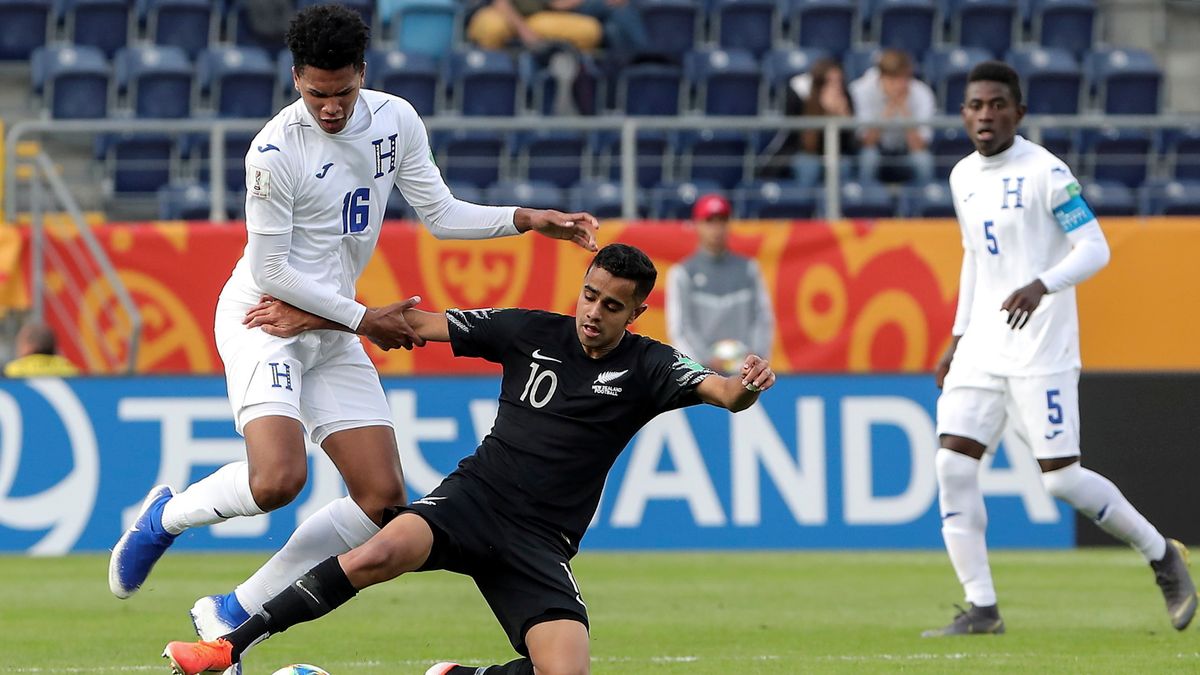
(1018, 212)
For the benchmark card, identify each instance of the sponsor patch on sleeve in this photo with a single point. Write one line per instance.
(1075, 212)
(259, 182)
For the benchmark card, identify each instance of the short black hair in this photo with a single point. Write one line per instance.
(329, 37)
(998, 71)
(627, 262)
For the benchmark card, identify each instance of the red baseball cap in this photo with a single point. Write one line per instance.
(711, 206)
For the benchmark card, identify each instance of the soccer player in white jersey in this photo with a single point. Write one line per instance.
(318, 176)
(1028, 238)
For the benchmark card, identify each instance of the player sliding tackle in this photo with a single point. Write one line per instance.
(573, 393)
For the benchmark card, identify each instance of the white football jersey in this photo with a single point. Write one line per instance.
(330, 190)
(1016, 210)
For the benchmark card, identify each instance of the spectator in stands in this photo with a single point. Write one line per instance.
(889, 91)
(718, 309)
(821, 92)
(534, 22)
(37, 354)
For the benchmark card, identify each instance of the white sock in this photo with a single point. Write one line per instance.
(338, 527)
(1097, 498)
(964, 522)
(223, 494)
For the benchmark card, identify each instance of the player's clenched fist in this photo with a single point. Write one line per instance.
(757, 374)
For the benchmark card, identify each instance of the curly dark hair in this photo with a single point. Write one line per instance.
(627, 262)
(999, 72)
(329, 37)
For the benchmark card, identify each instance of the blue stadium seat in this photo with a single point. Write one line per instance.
(723, 81)
(411, 76)
(536, 72)
(240, 31)
(599, 198)
(947, 146)
(530, 194)
(744, 24)
(73, 81)
(551, 156)
(673, 201)
(103, 24)
(285, 86)
(24, 26)
(983, 24)
(1182, 150)
(649, 89)
(1117, 155)
(483, 82)
(1171, 198)
(1052, 79)
(137, 163)
(1124, 81)
(422, 26)
(654, 156)
(859, 201)
(859, 60)
(947, 68)
(718, 157)
(932, 200)
(1063, 143)
(155, 81)
(779, 66)
(1066, 24)
(466, 192)
(673, 25)
(237, 81)
(188, 24)
(192, 201)
(195, 149)
(906, 25)
(365, 8)
(470, 157)
(1110, 199)
(769, 199)
(828, 25)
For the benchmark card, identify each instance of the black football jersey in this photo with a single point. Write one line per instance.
(564, 417)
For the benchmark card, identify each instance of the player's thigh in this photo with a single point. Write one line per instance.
(559, 647)
(582, 31)
(489, 29)
(1047, 407)
(971, 405)
(403, 545)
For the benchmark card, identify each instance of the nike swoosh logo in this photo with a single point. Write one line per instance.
(267, 148)
(968, 197)
(537, 354)
(952, 514)
(220, 515)
(300, 585)
(1054, 434)
(324, 170)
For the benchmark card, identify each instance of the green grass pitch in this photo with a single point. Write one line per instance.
(1086, 611)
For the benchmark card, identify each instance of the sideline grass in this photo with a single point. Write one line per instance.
(1087, 611)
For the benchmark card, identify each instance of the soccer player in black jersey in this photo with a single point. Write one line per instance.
(574, 392)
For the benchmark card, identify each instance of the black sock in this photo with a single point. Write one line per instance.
(521, 666)
(323, 589)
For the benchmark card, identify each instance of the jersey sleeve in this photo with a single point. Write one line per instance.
(1065, 199)
(484, 333)
(270, 188)
(673, 377)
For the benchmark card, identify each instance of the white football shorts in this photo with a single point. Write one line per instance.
(1042, 409)
(323, 378)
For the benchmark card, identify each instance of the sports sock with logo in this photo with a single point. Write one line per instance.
(964, 524)
(1097, 498)
(221, 495)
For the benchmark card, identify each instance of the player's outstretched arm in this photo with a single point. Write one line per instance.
(738, 392)
(388, 327)
(578, 227)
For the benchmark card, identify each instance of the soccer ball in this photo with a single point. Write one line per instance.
(729, 355)
(300, 669)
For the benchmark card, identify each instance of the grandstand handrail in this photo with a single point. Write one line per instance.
(627, 126)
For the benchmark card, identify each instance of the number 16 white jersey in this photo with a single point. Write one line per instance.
(1015, 210)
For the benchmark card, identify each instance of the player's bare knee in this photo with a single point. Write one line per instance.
(273, 489)
(563, 665)
(375, 503)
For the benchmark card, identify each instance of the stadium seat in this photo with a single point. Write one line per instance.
(770, 199)
(906, 25)
(983, 24)
(155, 81)
(550, 156)
(1171, 198)
(187, 24)
(103, 24)
(466, 192)
(1052, 79)
(365, 8)
(1063, 143)
(195, 149)
(73, 81)
(482, 82)
(1117, 155)
(1066, 24)
(397, 207)
(709, 156)
(744, 24)
(946, 70)
(673, 25)
(947, 146)
(137, 163)
(237, 81)
(285, 86)
(723, 81)
(1182, 150)
(1110, 199)
(1124, 81)
(24, 26)
(932, 200)
(421, 26)
(599, 198)
(654, 156)
(860, 201)
(649, 89)
(859, 60)
(539, 72)
(531, 194)
(779, 66)
(240, 31)
(193, 201)
(828, 25)
(411, 76)
(673, 201)
(470, 157)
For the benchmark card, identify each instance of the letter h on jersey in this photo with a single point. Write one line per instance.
(380, 155)
(282, 378)
(1013, 191)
